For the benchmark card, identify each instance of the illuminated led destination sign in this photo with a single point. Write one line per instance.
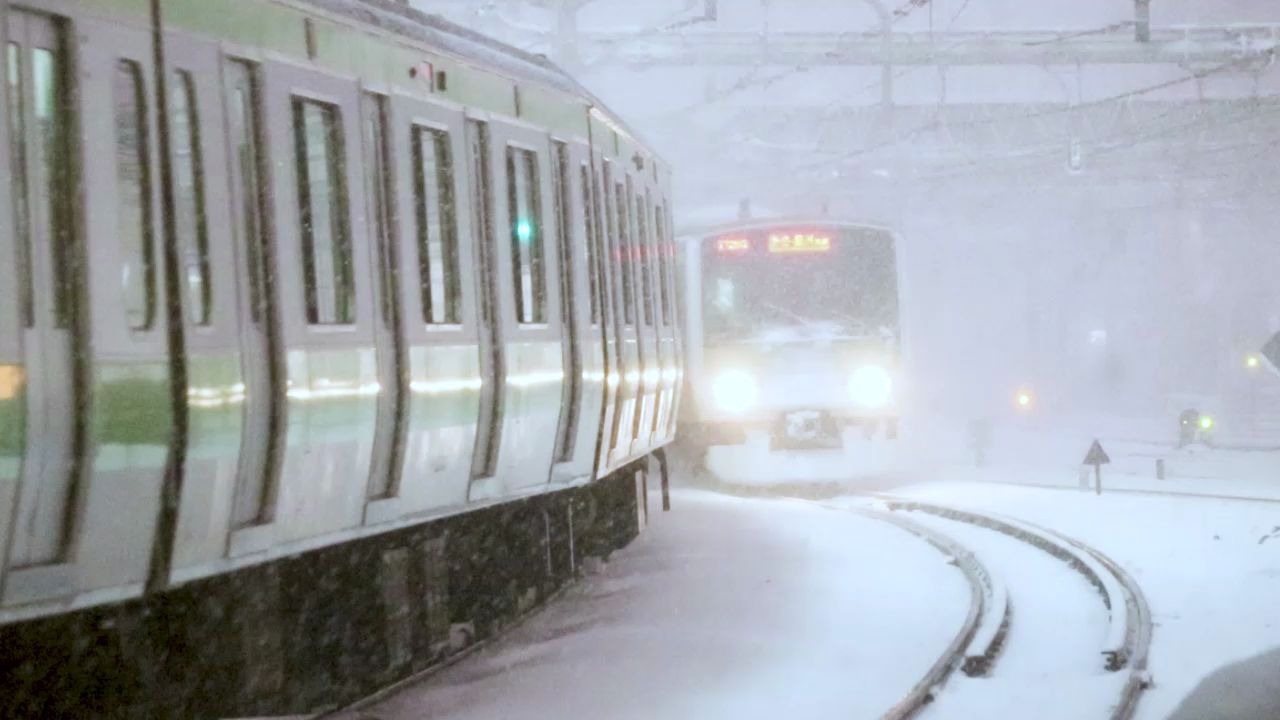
(733, 245)
(793, 243)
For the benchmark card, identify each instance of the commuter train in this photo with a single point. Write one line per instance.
(792, 335)
(288, 275)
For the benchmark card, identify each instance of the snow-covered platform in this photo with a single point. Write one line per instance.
(726, 608)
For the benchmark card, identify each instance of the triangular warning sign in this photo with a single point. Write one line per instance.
(1096, 456)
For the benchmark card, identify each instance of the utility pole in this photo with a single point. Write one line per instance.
(1142, 20)
(565, 46)
(886, 52)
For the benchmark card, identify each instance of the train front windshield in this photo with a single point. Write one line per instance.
(801, 283)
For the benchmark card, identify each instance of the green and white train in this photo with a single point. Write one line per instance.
(287, 280)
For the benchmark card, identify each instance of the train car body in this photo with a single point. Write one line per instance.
(284, 276)
(792, 335)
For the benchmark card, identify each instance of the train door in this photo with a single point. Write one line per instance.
(609, 328)
(260, 339)
(632, 357)
(388, 446)
(42, 149)
(622, 337)
(643, 259)
(492, 369)
(668, 268)
(581, 311)
(430, 157)
(567, 232)
(207, 277)
(525, 261)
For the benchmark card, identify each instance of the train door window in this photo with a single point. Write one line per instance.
(624, 252)
(188, 199)
(664, 264)
(644, 257)
(322, 202)
(560, 186)
(593, 238)
(133, 186)
(17, 98)
(527, 251)
(379, 188)
(609, 246)
(245, 141)
(437, 227)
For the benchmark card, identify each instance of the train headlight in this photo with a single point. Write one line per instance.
(871, 387)
(734, 391)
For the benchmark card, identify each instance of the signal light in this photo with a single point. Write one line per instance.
(1023, 399)
(524, 231)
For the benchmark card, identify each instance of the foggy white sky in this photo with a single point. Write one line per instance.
(1164, 239)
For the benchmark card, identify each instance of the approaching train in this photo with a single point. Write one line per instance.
(792, 335)
(318, 321)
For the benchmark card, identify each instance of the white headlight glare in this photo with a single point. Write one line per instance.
(734, 391)
(871, 387)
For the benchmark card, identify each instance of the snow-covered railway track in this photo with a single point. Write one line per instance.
(1112, 671)
(1128, 632)
(982, 633)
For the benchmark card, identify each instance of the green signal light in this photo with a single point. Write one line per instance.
(524, 231)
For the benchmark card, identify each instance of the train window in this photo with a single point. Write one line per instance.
(380, 193)
(133, 184)
(593, 238)
(527, 251)
(609, 248)
(624, 251)
(644, 256)
(51, 111)
(664, 263)
(245, 133)
(560, 189)
(437, 227)
(17, 152)
(188, 198)
(322, 202)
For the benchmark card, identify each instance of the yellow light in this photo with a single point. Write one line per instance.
(12, 379)
(1206, 422)
(799, 243)
(1023, 399)
(1252, 361)
(733, 245)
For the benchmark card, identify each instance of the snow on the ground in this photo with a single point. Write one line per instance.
(1212, 584)
(1210, 566)
(726, 608)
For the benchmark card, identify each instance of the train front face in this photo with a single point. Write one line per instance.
(799, 336)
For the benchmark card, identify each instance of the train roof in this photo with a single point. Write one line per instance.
(398, 18)
(698, 232)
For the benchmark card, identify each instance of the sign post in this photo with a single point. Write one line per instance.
(1097, 457)
(979, 440)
